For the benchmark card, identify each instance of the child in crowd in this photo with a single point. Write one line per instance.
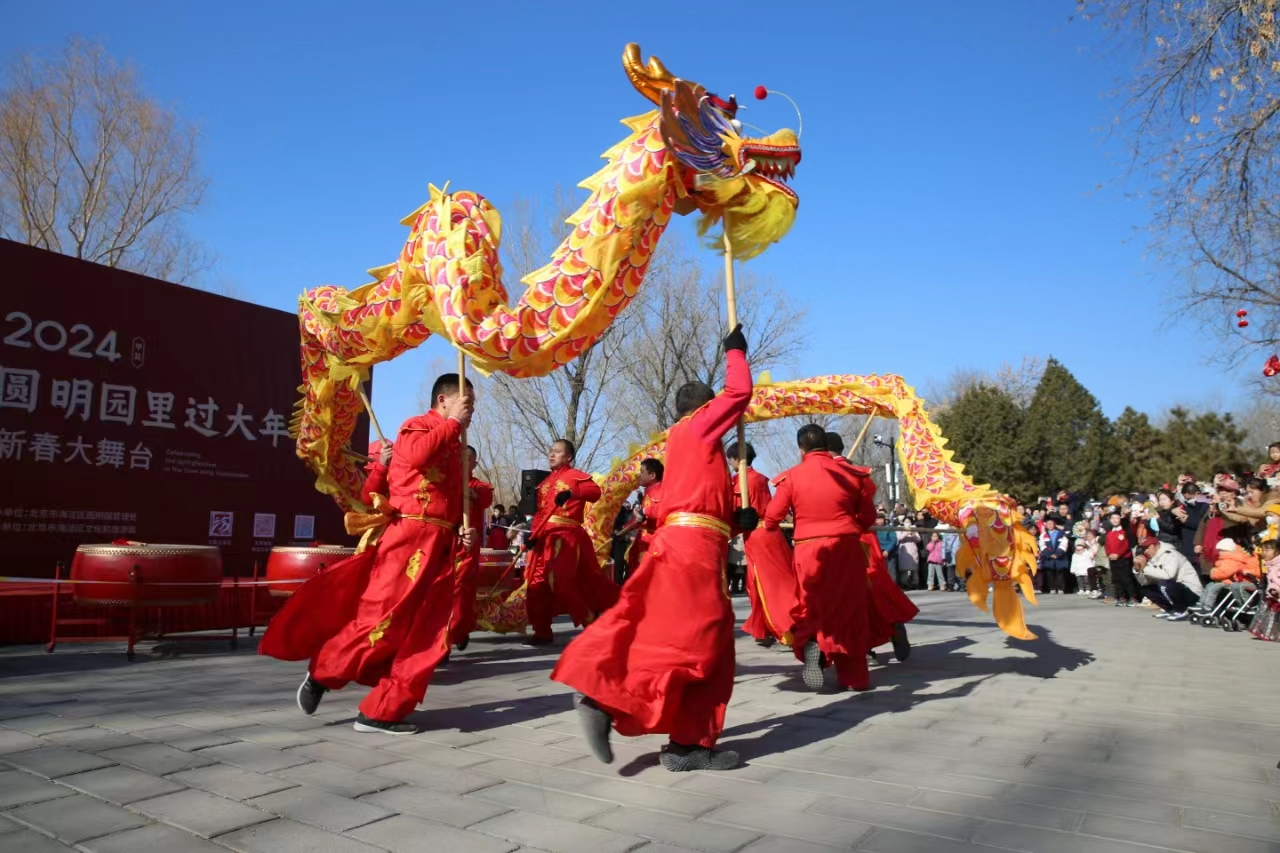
(1101, 567)
(950, 549)
(934, 555)
(1235, 571)
(1082, 560)
(1266, 625)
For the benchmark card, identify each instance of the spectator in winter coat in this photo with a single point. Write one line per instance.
(888, 544)
(1082, 561)
(950, 550)
(908, 558)
(935, 557)
(1101, 566)
(1053, 557)
(1195, 509)
(1171, 581)
(1169, 518)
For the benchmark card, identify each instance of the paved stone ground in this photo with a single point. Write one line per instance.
(1113, 733)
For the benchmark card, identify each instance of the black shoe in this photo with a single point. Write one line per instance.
(535, 640)
(310, 693)
(813, 664)
(462, 644)
(766, 643)
(872, 658)
(901, 645)
(364, 724)
(596, 725)
(678, 758)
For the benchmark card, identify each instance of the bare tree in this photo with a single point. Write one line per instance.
(1019, 381)
(577, 401)
(1202, 114)
(680, 320)
(90, 166)
(1261, 424)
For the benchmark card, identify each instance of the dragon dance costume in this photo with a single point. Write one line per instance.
(833, 504)
(563, 574)
(662, 659)
(771, 578)
(381, 617)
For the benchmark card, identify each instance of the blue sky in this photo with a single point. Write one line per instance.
(959, 205)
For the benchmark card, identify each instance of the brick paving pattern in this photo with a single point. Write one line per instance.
(1114, 733)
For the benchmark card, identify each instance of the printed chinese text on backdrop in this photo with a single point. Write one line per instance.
(132, 408)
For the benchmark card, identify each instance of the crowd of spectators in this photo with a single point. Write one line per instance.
(1190, 552)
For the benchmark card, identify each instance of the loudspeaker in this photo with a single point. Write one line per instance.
(529, 481)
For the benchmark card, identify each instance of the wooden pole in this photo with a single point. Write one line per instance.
(731, 296)
(466, 457)
(373, 419)
(857, 442)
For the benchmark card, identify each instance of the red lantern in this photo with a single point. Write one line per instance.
(1242, 313)
(1244, 324)
(1272, 367)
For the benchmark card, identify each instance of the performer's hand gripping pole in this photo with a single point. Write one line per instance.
(731, 297)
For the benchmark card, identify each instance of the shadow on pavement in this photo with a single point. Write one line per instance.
(929, 664)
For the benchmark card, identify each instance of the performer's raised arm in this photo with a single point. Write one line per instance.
(417, 446)
(713, 420)
(779, 505)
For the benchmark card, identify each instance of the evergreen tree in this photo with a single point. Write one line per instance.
(1139, 453)
(979, 427)
(1065, 437)
(1202, 444)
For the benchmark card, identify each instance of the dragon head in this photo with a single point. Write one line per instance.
(726, 176)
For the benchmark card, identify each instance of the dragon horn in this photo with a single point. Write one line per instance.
(650, 80)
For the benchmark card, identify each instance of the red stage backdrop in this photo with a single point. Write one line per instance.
(134, 408)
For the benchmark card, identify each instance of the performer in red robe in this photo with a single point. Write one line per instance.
(466, 568)
(888, 608)
(833, 504)
(651, 473)
(662, 661)
(562, 572)
(381, 617)
(771, 577)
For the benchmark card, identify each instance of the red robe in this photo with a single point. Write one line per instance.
(833, 503)
(466, 567)
(562, 571)
(381, 618)
(771, 577)
(661, 660)
(887, 605)
(648, 503)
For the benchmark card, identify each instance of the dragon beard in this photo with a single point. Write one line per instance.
(756, 214)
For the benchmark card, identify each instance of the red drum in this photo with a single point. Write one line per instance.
(138, 575)
(494, 566)
(288, 563)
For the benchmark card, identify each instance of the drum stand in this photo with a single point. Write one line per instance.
(133, 634)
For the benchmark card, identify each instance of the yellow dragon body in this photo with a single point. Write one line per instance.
(688, 155)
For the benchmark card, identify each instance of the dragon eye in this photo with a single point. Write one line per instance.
(736, 125)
